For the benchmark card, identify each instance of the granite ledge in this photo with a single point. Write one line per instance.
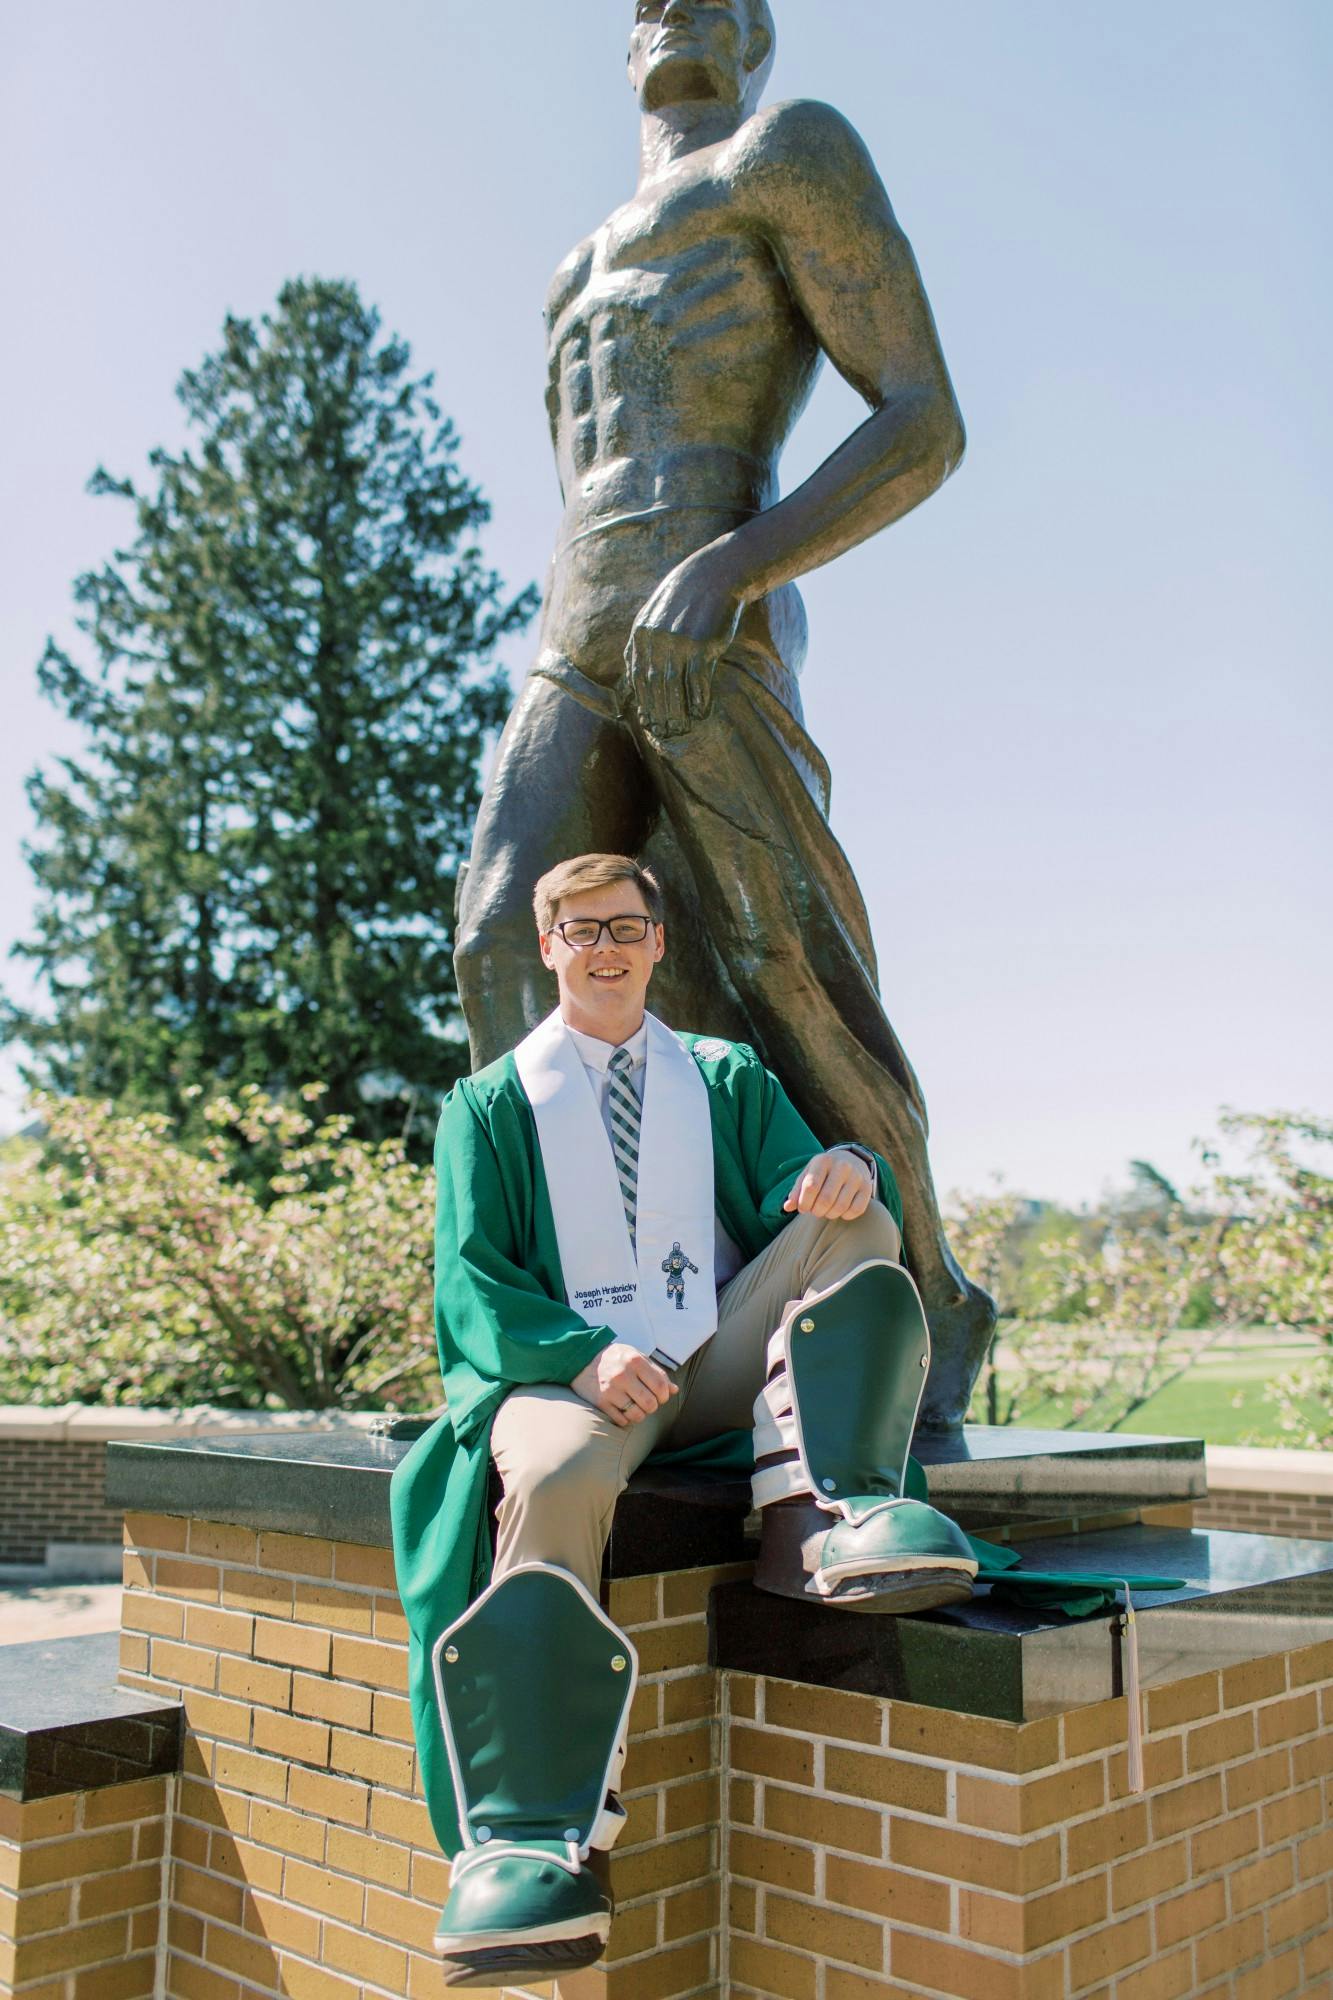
(1244, 1597)
(67, 1726)
(336, 1486)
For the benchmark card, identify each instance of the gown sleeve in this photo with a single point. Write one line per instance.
(786, 1146)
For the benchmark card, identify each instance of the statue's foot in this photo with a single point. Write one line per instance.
(522, 1915)
(899, 1556)
(960, 1337)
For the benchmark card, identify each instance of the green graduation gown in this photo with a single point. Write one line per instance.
(502, 1321)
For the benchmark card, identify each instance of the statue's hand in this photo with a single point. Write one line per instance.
(678, 638)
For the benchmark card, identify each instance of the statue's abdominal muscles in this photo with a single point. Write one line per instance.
(678, 365)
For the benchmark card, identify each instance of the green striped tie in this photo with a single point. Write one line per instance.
(625, 1135)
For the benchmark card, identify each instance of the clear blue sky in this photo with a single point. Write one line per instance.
(1077, 708)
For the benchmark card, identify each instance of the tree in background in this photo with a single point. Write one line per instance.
(1275, 1265)
(1096, 1318)
(249, 877)
(1102, 1312)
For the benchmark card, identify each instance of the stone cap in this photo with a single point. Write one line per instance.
(66, 1726)
(990, 1476)
(1244, 1596)
(88, 1423)
(336, 1485)
(1244, 1469)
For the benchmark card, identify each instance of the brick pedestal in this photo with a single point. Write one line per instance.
(303, 1861)
(785, 1842)
(879, 1848)
(82, 1879)
(802, 1826)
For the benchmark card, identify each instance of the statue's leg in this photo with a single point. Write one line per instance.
(567, 780)
(692, 988)
(743, 793)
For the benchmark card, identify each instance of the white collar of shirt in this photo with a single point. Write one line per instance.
(596, 1055)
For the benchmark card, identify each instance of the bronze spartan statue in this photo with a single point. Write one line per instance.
(662, 716)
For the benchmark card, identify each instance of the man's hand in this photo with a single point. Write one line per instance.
(837, 1185)
(678, 638)
(624, 1385)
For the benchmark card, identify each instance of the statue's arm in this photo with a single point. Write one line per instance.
(805, 182)
(815, 194)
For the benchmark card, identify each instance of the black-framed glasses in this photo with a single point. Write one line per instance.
(581, 932)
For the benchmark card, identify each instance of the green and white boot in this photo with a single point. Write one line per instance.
(833, 1428)
(534, 1684)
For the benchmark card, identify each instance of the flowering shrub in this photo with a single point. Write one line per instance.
(1100, 1313)
(1110, 1315)
(1274, 1267)
(286, 1264)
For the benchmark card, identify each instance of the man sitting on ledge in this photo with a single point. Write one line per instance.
(640, 1246)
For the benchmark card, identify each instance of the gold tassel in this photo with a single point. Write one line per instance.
(1129, 1657)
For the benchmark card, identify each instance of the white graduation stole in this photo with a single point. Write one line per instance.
(667, 1299)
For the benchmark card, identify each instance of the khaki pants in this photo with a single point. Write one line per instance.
(563, 1465)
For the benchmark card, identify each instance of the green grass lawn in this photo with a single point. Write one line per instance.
(1221, 1399)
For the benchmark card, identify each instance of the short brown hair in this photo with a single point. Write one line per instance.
(593, 871)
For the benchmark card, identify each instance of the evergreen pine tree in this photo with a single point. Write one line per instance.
(249, 876)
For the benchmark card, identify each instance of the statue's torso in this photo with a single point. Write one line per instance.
(679, 362)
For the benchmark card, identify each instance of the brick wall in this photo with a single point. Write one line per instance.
(53, 1463)
(877, 1847)
(81, 1880)
(1269, 1492)
(1276, 1513)
(52, 1490)
(53, 1470)
(303, 1863)
(784, 1842)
